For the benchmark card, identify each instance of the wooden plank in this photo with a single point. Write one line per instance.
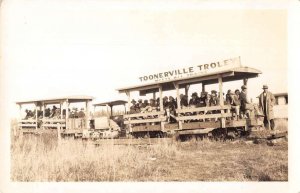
(28, 125)
(208, 116)
(171, 126)
(198, 109)
(145, 120)
(145, 114)
(201, 125)
(52, 125)
(196, 131)
(54, 120)
(142, 128)
(27, 121)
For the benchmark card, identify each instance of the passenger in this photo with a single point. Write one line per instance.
(53, 111)
(214, 101)
(47, 112)
(165, 102)
(183, 101)
(81, 113)
(153, 104)
(202, 99)
(172, 108)
(133, 107)
(29, 114)
(235, 104)
(194, 101)
(207, 101)
(244, 100)
(140, 104)
(237, 92)
(227, 98)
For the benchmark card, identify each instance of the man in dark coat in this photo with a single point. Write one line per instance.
(235, 103)
(202, 99)
(183, 101)
(266, 103)
(244, 100)
(194, 101)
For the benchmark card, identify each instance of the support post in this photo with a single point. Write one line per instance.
(20, 118)
(161, 107)
(186, 91)
(87, 114)
(36, 117)
(154, 95)
(178, 104)
(221, 100)
(203, 87)
(128, 96)
(67, 114)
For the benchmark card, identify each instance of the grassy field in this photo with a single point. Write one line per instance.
(43, 158)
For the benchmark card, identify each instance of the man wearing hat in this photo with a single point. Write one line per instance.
(214, 101)
(133, 107)
(202, 99)
(194, 101)
(266, 103)
(244, 100)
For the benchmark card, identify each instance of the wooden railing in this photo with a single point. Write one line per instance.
(147, 117)
(53, 122)
(27, 123)
(203, 113)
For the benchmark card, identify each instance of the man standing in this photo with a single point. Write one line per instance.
(266, 102)
(244, 100)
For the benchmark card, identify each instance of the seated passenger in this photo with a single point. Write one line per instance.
(47, 112)
(140, 104)
(133, 107)
(214, 101)
(81, 113)
(237, 92)
(183, 101)
(165, 102)
(53, 111)
(244, 100)
(172, 105)
(194, 101)
(227, 97)
(235, 104)
(29, 114)
(202, 99)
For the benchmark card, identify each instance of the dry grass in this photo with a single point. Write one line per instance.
(41, 158)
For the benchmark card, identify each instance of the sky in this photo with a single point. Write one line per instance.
(60, 48)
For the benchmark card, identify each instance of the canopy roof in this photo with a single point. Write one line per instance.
(71, 99)
(233, 74)
(111, 103)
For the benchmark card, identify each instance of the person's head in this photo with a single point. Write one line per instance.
(133, 101)
(208, 96)
(265, 88)
(244, 88)
(26, 111)
(213, 93)
(194, 95)
(140, 100)
(231, 94)
(165, 98)
(171, 98)
(237, 91)
(152, 101)
(146, 101)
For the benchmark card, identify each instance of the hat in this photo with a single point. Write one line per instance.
(229, 91)
(165, 97)
(133, 101)
(244, 87)
(237, 90)
(265, 86)
(140, 100)
(146, 101)
(170, 97)
(214, 91)
(194, 94)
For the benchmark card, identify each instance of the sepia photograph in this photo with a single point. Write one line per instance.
(142, 91)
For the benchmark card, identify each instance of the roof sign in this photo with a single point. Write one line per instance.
(202, 69)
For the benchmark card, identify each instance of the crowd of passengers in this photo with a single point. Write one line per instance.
(55, 113)
(237, 99)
